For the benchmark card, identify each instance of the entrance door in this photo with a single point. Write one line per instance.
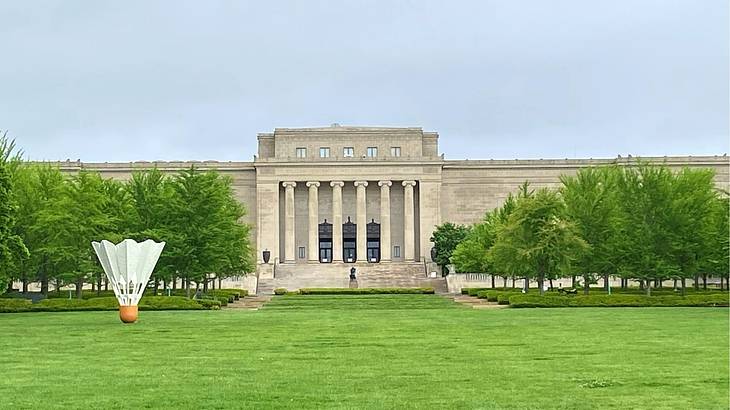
(325, 242)
(348, 252)
(373, 241)
(349, 241)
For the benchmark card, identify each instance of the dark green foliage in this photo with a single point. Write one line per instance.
(445, 238)
(472, 291)
(280, 291)
(12, 305)
(696, 300)
(365, 291)
(105, 303)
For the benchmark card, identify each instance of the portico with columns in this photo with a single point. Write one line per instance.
(364, 203)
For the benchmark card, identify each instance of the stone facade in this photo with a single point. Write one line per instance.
(306, 184)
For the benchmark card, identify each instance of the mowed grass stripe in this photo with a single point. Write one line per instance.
(360, 352)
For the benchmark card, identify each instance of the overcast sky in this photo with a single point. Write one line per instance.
(148, 80)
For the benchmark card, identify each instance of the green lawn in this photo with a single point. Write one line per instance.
(399, 351)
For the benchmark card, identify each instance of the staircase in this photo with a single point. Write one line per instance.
(369, 275)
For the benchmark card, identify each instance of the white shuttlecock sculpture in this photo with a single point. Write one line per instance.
(128, 265)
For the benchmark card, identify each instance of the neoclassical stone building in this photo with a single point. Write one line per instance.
(323, 198)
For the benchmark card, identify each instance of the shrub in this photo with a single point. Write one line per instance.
(280, 291)
(14, 305)
(105, 303)
(365, 291)
(472, 291)
(212, 304)
(527, 301)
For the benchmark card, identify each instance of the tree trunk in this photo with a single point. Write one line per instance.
(675, 284)
(492, 282)
(586, 286)
(212, 283)
(513, 283)
(540, 283)
(526, 286)
(220, 283)
(551, 284)
(79, 287)
(106, 284)
(98, 287)
(697, 282)
(572, 281)
(721, 283)
(648, 287)
(504, 282)
(93, 286)
(606, 285)
(164, 285)
(25, 284)
(157, 285)
(205, 284)
(10, 286)
(187, 286)
(44, 283)
(704, 281)
(58, 286)
(174, 282)
(684, 286)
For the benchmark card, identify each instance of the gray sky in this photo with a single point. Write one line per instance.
(132, 80)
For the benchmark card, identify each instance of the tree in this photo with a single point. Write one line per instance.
(646, 250)
(12, 248)
(74, 222)
(590, 203)
(538, 240)
(152, 197)
(445, 239)
(692, 220)
(205, 215)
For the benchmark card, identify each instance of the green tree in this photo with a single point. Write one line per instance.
(76, 220)
(445, 239)
(212, 240)
(538, 241)
(152, 196)
(691, 221)
(12, 248)
(590, 199)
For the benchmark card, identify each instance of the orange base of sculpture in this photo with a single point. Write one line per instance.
(128, 314)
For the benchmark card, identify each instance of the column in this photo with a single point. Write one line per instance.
(290, 252)
(385, 246)
(409, 234)
(337, 220)
(361, 220)
(313, 221)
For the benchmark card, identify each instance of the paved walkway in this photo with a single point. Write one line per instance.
(475, 302)
(249, 302)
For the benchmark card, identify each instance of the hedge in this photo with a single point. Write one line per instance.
(472, 291)
(107, 303)
(531, 301)
(365, 291)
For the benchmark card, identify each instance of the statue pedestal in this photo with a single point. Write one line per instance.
(265, 271)
(353, 283)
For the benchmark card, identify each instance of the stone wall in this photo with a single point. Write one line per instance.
(470, 188)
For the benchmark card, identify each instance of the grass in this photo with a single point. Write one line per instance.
(389, 351)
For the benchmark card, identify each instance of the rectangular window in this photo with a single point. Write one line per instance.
(301, 153)
(348, 152)
(396, 251)
(324, 152)
(301, 252)
(372, 152)
(395, 151)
